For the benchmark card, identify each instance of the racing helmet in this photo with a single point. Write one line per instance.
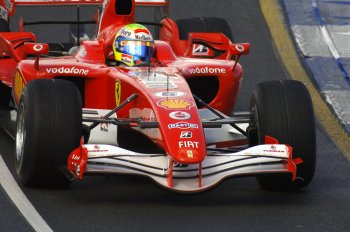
(133, 44)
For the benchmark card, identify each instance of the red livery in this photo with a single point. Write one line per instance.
(173, 120)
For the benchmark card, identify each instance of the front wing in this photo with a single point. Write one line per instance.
(107, 159)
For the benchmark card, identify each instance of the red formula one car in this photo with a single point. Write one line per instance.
(79, 114)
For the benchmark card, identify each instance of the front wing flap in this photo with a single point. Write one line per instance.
(97, 159)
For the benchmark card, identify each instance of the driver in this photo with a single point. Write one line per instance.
(133, 45)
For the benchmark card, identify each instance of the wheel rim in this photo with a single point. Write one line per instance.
(20, 134)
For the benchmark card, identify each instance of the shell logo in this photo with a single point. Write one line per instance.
(175, 104)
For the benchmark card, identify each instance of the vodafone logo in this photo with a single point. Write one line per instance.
(240, 48)
(179, 115)
(38, 47)
(64, 70)
(207, 70)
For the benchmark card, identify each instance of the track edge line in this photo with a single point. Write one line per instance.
(18, 198)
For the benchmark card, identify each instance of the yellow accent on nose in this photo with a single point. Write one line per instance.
(175, 104)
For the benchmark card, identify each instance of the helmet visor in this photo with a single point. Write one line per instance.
(140, 49)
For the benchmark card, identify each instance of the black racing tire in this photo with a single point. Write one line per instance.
(203, 24)
(5, 96)
(4, 25)
(283, 110)
(49, 127)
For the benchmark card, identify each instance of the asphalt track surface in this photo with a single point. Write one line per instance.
(136, 204)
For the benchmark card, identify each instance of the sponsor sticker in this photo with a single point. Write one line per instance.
(239, 48)
(127, 58)
(64, 70)
(142, 34)
(207, 70)
(189, 153)
(118, 90)
(186, 135)
(273, 149)
(176, 104)
(142, 37)
(182, 125)
(199, 49)
(75, 157)
(38, 47)
(179, 115)
(170, 94)
(188, 144)
(97, 148)
(125, 32)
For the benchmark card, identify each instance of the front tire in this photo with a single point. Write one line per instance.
(49, 122)
(283, 110)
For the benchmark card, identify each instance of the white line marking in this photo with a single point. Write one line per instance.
(329, 42)
(20, 200)
(327, 37)
(342, 33)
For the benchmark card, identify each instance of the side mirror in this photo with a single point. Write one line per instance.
(237, 50)
(240, 48)
(215, 41)
(36, 49)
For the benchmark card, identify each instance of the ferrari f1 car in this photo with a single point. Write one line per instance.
(77, 115)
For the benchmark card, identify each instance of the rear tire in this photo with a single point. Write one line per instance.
(203, 24)
(49, 122)
(283, 110)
